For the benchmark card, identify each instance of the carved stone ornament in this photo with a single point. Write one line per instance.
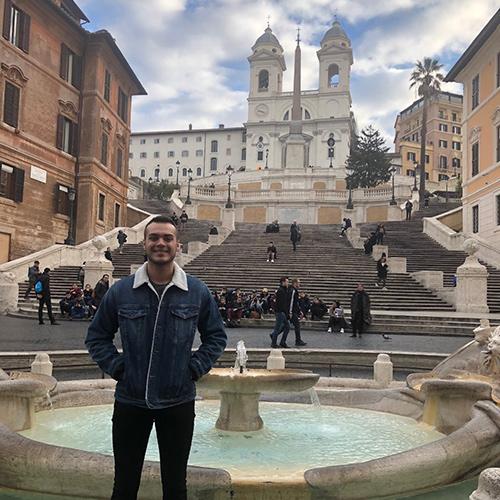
(120, 139)
(68, 109)
(106, 124)
(470, 246)
(7, 277)
(474, 134)
(491, 356)
(14, 74)
(495, 117)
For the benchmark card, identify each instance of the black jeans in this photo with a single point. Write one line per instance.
(131, 429)
(41, 302)
(358, 324)
(295, 321)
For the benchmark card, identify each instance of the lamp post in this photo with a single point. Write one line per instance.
(229, 171)
(267, 156)
(393, 199)
(70, 240)
(331, 145)
(177, 164)
(446, 179)
(415, 171)
(349, 205)
(188, 199)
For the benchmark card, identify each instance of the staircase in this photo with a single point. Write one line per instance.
(406, 239)
(325, 263)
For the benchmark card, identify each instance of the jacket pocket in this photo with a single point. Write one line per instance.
(185, 320)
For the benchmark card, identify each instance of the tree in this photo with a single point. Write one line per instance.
(159, 190)
(427, 79)
(368, 162)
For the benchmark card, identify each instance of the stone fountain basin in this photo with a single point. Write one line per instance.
(258, 380)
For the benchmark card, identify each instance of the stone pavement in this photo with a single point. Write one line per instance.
(20, 335)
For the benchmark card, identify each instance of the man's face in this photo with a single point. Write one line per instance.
(296, 284)
(160, 243)
(285, 283)
(105, 278)
(360, 287)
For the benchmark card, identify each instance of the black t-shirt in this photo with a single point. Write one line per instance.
(159, 287)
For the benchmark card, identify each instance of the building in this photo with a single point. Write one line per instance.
(478, 69)
(260, 144)
(65, 99)
(444, 137)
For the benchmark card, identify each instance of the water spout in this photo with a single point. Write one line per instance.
(314, 397)
(241, 357)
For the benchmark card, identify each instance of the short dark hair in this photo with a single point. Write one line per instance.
(283, 279)
(160, 219)
(36, 262)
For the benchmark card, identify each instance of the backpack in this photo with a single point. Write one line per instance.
(38, 287)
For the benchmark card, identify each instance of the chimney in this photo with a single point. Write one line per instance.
(190, 126)
(221, 125)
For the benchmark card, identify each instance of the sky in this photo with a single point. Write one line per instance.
(191, 55)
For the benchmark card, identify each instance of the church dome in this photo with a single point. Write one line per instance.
(336, 31)
(267, 38)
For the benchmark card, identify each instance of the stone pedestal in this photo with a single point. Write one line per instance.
(94, 271)
(383, 370)
(432, 280)
(42, 364)
(275, 360)
(395, 213)
(228, 218)
(378, 250)
(397, 265)
(239, 412)
(354, 237)
(488, 487)
(9, 292)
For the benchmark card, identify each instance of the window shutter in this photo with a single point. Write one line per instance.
(7, 9)
(25, 32)
(77, 72)
(63, 69)
(18, 184)
(11, 105)
(75, 140)
(60, 130)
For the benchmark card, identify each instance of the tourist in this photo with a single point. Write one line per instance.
(81, 274)
(264, 300)
(157, 310)
(33, 273)
(78, 309)
(100, 290)
(379, 234)
(369, 243)
(282, 324)
(122, 239)
(213, 230)
(346, 224)
(175, 220)
(294, 234)
(65, 304)
(108, 255)
(295, 312)
(274, 227)
(408, 209)
(271, 252)
(318, 309)
(382, 268)
(304, 304)
(337, 322)
(360, 311)
(44, 297)
(183, 219)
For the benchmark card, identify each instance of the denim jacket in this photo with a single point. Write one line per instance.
(157, 368)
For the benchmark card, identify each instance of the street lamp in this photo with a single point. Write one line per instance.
(416, 168)
(393, 199)
(349, 205)
(188, 199)
(267, 155)
(331, 145)
(70, 240)
(229, 171)
(177, 164)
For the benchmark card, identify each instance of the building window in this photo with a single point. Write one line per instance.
(184, 172)
(142, 141)
(62, 199)
(185, 154)
(198, 138)
(198, 171)
(454, 117)
(455, 162)
(475, 159)
(131, 156)
(171, 154)
(214, 147)
(457, 146)
(427, 159)
(156, 141)
(104, 148)
(443, 127)
(228, 137)
(263, 80)
(170, 172)
(107, 85)
(157, 173)
(143, 155)
(442, 177)
(441, 114)
(443, 144)
(16, 26)
(244, 136)
(122, 105)
(11, 105)
(71, 66)
(67, 135)
(475, 219)
(119, 162)
(410, 173)
(117, 214)
(199, 152)
(498, 143)
(100, 207)
(443, 162)
(184, 139)
(170, 140)
(228, 151)
(11, 182)
(143, 172)
(456, 130)
(333, 75)
(286, 116)
(475, 92)
(260, 155)
(213, 164)
(411, 156)
(156, 154)
(498, 209)
(243, 154)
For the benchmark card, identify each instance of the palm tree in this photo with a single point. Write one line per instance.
(427, 78)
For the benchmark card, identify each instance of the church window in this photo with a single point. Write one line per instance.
(213, 164)
(333, 75)
(286, 116)
(170, 172)
(244, 154)
(143, 172)
(198, 171)
(307, 115)
(260, 155)
(157, 173)
(264, 79)
(214, 147)
(184, 172)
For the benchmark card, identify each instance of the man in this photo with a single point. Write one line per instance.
(271, 252)
(122, 239)
(360, 310)
(295, 311)
(408, 208)
(282, 316)
(213, 230)
(33, 273)
(183, 218)
(108, 255)
(44, 297)
(100, 289)
(346, 224)
(294, 234)
(157, 310)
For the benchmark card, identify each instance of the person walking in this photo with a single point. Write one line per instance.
(294, 234)
(382, 268)
(33, 272)
(295, 312)
(271, 252)
(157, 310)
(108, 255)
(408, 208)
(100, 289)
(380, 233)
(122, 239)
(282, 324)
(44, 297)
(183, 219)
(360, 311)
(346, 224)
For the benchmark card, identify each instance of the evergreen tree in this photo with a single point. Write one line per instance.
(159, 190)
(368, 164)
